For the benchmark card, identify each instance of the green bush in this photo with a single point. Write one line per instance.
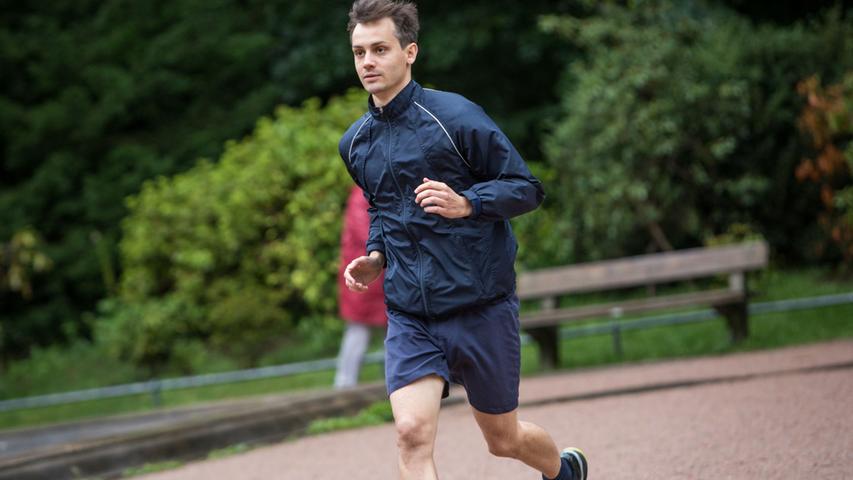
(681, 122)
(239, 252)
(828, 120)
(147, 332)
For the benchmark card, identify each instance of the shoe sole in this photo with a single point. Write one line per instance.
(578, 454)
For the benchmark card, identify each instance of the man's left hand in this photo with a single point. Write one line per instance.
(437, 197)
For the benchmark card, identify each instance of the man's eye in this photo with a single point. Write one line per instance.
(358, 53)
(380, 50)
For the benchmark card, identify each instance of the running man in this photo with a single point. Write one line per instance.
(442, 182)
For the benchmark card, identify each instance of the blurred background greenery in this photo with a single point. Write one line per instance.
(171, 190)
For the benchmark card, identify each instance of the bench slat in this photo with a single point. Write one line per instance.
(552, 317)
(642, 270)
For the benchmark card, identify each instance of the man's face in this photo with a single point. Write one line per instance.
(381, 63)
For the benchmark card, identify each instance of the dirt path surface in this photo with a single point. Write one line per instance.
(764, 415)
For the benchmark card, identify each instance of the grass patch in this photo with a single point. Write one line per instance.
(151, 468)
(376, 414)
(229, 451)
(770, 330)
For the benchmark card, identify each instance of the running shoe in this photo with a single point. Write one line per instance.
(577, 460)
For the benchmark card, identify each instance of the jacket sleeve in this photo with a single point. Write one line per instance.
(507, 189)
(375, 241)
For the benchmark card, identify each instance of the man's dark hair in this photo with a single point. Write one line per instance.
(403, 14)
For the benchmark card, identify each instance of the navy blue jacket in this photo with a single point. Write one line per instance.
(437, 265)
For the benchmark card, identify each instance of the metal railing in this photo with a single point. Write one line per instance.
(155, 387)
(705, 315)
(614, 327)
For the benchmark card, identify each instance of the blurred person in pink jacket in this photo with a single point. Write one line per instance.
(360, 310)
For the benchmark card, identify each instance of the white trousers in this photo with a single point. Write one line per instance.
(353, 348)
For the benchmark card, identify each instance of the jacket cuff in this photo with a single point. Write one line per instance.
(378, 247)
(476, 204)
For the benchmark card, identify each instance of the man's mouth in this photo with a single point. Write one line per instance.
(371, 75)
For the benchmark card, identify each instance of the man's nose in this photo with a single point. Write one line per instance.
(369, 61)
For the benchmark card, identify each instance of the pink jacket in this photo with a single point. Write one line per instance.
(369, 307)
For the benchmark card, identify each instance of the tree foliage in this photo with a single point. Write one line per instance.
(20, 259)
(679, 123)
(236, 252)
(828, 120)
(96, 97)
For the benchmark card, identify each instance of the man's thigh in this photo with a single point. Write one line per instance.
(416, 405)
(497, 427)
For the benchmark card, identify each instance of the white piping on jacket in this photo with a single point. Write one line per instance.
(349, 155)
(445, 132)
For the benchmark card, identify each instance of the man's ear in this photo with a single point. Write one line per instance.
(411, 53)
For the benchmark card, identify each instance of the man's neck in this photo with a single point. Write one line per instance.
(388, 97)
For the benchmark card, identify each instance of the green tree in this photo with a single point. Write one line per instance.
(96, 97)
(680, 122)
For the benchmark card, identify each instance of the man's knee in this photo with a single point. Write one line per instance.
(503, 445)
(414, 433)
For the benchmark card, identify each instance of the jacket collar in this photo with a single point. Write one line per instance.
(396, 106)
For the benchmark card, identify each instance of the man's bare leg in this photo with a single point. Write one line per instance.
(415, 408)
(527, 442)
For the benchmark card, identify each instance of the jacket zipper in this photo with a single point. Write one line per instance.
(405, 223)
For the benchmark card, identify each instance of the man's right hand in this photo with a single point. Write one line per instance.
(364, 270)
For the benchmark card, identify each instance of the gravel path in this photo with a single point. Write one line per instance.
(763, 415)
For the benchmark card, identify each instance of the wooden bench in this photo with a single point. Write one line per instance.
(548, 285)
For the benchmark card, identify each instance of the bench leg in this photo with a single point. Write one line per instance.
(547, 338)
(737, 319)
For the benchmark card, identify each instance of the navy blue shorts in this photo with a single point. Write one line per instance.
(479, 349)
